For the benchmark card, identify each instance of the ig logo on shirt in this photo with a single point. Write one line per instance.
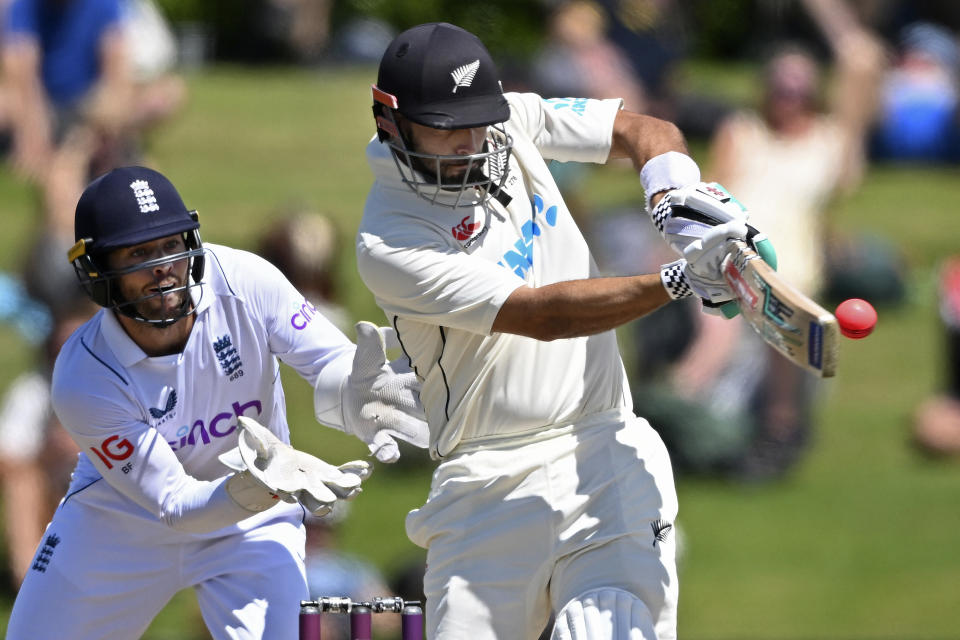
(114, 449)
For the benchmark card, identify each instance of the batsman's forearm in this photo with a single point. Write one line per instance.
(579, 307)
(640, 137)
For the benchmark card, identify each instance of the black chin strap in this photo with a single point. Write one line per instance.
(502, 197)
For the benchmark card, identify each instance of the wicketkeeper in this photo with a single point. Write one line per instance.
(172, 391)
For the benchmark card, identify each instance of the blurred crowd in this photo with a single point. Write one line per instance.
(86, 83)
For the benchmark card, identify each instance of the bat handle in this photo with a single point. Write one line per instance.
(729, 309)
(762, 245)
(764, 248)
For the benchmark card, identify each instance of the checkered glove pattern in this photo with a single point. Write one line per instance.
(675, 280)
(661, 212)
(699, 272)
(687, 214)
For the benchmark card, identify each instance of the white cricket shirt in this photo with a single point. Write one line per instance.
(153, 427)
(442, 274)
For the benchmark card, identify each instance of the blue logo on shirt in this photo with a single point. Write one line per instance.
(171, 403)
(227, 356)
(521, 260)
(578, 105)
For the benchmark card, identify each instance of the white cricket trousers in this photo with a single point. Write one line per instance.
(516, 529)
(101, 574)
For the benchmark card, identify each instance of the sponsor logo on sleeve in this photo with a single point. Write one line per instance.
(303, 315)
(112, 450)
(577, 105)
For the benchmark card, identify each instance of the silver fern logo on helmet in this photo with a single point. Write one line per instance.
(463, 76)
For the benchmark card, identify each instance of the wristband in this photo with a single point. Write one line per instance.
(675, 280)
(670, 170)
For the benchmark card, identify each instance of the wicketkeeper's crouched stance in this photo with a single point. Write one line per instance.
(173, 394)
(551, 496)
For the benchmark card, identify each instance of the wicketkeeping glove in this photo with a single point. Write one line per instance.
(380, 399)
(699, 272)
(269, 470)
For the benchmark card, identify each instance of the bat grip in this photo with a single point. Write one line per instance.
(762, 245)
(729, 309)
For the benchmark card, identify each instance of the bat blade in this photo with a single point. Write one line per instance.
(786, 319)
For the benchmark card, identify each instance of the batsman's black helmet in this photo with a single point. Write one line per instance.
(437, 75)
(441, 76)
(125, 207)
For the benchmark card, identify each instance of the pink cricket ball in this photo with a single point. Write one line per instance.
(856, 318)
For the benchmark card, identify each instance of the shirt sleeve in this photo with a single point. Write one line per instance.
(299, 334)
(136, 461)
(566, 129)
(432, 282)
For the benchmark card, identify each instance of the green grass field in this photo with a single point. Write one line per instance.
(858, 543)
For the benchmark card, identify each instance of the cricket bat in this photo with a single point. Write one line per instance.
(790, 322)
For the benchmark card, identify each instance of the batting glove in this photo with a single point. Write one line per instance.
(270, 470)
(699, 272)
(685, 215)
(380, 399)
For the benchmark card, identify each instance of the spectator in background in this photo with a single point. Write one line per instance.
(305, 246)
(36, 454)
(654, 36)
(85, 78)
(786, 163)
(305, 25)
(579, 60)
(5, 107)
(936, 421)
(158, 91)
(918, 118)
(67, 70)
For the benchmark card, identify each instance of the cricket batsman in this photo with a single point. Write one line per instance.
(550, 496)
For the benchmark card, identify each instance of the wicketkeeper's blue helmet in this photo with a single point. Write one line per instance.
(126, 207)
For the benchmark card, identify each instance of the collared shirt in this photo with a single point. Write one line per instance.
(155, 426)
(441, 276)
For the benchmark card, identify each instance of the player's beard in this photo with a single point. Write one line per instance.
(163, 306)
(451, 177)
(160, 300)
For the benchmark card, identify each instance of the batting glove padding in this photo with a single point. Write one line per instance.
(380, 399)
(685, 215)
(270, 470)
(699, 272)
